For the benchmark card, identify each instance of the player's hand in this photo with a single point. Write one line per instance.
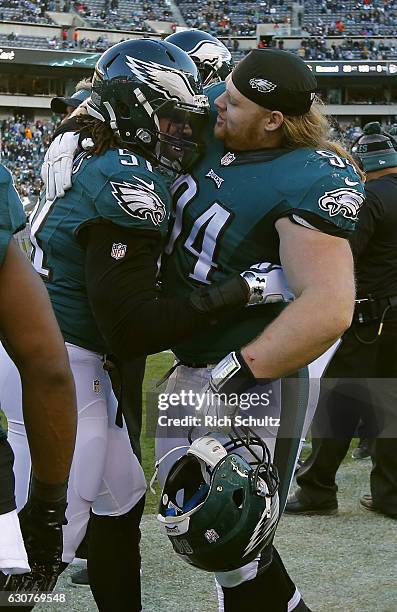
(220, 403)
(262, 284)
(56, 171)
(41, 523)
(111, 367)
(267, 284)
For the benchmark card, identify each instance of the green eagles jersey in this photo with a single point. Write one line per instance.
(224, 218)
(12, 216)
(117, 187)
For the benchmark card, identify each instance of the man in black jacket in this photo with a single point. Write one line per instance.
(360, 382)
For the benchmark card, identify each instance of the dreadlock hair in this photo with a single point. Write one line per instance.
(313, 130)
(101, 133)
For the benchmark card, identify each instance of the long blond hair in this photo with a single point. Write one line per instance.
(313, 130)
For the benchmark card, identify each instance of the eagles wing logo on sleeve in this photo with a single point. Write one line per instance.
(344, 201)
(175, 85)
(140, 200)
(262, 85)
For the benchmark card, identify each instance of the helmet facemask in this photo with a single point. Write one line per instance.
(177, 133)
(256, 454)
(213, 71)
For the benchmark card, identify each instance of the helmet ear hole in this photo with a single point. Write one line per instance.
(238, 498)
(123, 110)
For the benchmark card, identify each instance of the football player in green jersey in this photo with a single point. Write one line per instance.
(30, 332)
(271, 138)
(272, 189)
(97, 249)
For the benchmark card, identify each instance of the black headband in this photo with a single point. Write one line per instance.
(274, 79)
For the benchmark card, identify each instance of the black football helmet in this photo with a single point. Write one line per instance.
(210, 55)
(150, 93)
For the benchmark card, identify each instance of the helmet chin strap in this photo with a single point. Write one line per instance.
(95, 113)
(112, 116)
(212, 76)
(152, 115)
(146, 105)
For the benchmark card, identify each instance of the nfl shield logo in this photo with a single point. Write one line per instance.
(118, 250)
(228, 159)
(211, 536)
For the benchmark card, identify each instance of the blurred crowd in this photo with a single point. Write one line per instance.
(124, 17)
(316, 48)
(220, 17)
(224, 17)
(25, 10)
(23, 145)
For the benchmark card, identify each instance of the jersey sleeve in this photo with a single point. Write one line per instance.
(329, 197)
(12, 215)
(135, 199)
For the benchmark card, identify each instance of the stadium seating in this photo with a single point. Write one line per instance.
(29, 42)
(24, 10)
(332, 17)
(124, 14)
(232, 16)
(318, 20)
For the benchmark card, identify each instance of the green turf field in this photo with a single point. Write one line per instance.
(156, 367)
(3, 421)
(343, 563)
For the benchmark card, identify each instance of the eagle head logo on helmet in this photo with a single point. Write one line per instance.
(210, 55)
(172, 84)
(211, 52)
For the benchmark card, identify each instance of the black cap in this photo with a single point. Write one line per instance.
(278, 80)
(375, 149)
(58, 105)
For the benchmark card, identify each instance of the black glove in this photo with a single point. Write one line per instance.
(41, 521)
(231, 293)
(261, 284)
